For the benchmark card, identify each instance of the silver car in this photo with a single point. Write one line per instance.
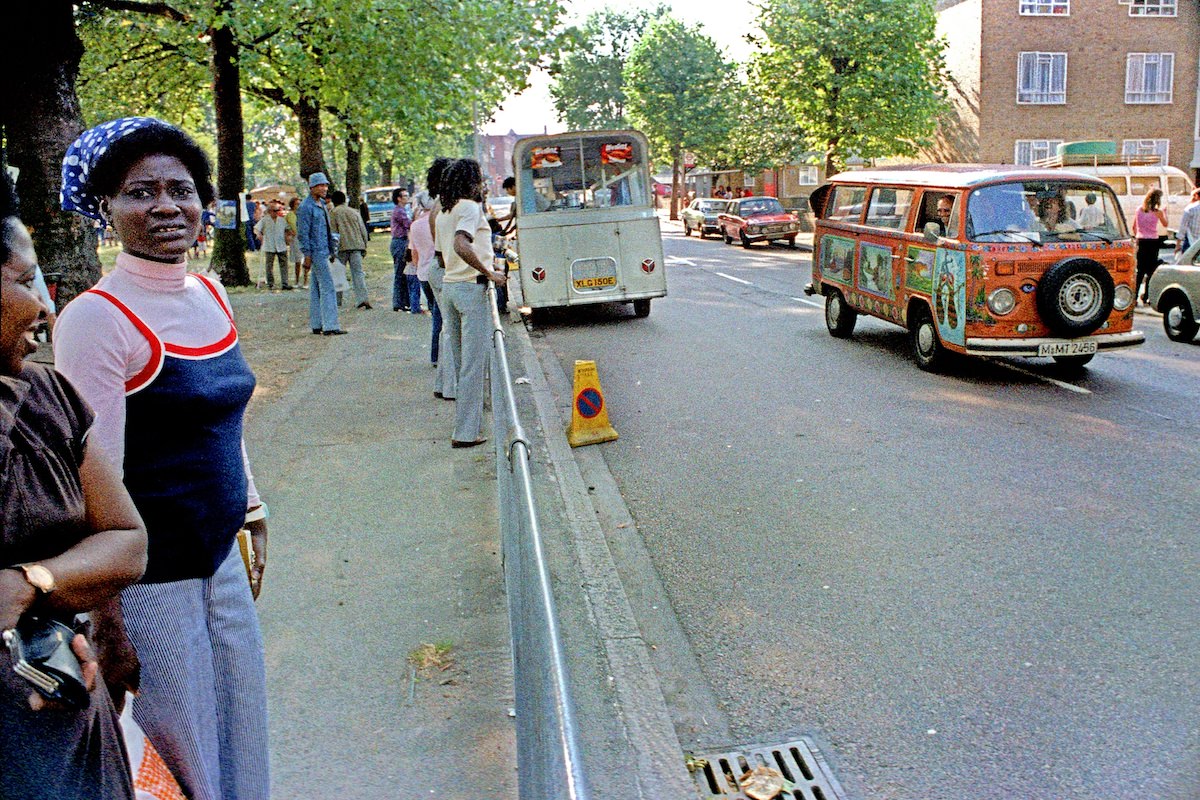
(1175, 291)
(701, 216)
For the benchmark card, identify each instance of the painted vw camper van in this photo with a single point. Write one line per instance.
(587, 231)
(1020, 262)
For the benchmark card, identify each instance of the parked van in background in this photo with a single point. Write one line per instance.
(1130, 177)
(379, 203)
(1020, 262)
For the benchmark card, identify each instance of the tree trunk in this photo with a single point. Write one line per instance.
(353, 166)
(308, 114)
(229, 246)
(385, 172)
(40, 117)
(676, 183)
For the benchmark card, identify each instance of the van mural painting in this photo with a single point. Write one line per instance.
(837, 259)
(920, 270)
(875, 270)
(950, 294)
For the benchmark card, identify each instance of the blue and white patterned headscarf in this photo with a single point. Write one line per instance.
(76, 194)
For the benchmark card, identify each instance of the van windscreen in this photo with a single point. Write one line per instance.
(1044, 211)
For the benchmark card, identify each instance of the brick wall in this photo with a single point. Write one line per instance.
(1096, 36)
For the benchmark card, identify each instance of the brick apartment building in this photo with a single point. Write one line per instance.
(1027, 75)
(495, 157)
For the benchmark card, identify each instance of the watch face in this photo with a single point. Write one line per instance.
(39, 577)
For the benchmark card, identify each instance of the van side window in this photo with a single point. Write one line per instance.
(1140, 184)
(889, 207)
(846, 203)
(928, 212)
(1178, 187)
(1118, 184)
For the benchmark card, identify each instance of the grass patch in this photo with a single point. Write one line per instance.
(435, 656)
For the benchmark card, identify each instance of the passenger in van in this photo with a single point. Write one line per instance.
(945, 207)
(1092, 215)
(1053, 217)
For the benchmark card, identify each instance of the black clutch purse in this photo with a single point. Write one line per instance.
(41, 654)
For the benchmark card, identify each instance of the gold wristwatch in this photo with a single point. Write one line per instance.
(38, 576)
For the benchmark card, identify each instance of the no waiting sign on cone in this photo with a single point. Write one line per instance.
(589, 416)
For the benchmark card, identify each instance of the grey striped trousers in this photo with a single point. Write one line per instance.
(203, 697)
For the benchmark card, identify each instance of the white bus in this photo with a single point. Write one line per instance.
(587, 231)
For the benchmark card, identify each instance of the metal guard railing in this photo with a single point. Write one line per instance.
(549, 762)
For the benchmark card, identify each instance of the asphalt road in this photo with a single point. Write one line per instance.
(980, 584)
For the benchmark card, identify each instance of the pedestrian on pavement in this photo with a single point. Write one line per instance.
(1145, 226)
(445, 380)
(154, 350)
(364, 212)
(272, 234)
(464, 239)
(69, 521)
(352, 244)
(316, 242)
(294, 253)
(420, 242)
(1187, 240)
(401, 222)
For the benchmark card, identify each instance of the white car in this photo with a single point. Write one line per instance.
(1175, 291)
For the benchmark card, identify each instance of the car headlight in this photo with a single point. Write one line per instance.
(754, 228)
(793, 226)
(1122, 297)
(1001, 301)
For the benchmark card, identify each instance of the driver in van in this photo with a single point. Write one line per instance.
(1052, 215)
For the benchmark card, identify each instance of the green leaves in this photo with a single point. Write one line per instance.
(858, 77)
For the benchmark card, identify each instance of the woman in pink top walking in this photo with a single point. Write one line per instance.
(1145, 227)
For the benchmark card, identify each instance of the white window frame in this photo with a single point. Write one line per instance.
(1037, 148)
(1045, 8)
(1153, 8)
(806, 175)
(1137, 88)
(1041, 68)
(1148, 147)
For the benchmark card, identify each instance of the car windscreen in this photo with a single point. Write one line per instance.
(712, 206)
(765, 206)
(1044, 211)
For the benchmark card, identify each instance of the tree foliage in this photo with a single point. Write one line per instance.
(857, 77)
(677, 81)
(589, 75)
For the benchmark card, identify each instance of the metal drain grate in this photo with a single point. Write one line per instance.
(799, 761)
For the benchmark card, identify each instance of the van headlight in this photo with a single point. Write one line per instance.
(1122, 297)
(1001, 301)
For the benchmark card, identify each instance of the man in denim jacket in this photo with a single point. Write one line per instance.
(316, 243)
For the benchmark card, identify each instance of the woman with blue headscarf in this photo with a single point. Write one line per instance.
(155, 352)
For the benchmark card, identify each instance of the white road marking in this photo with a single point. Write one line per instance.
(1061, 384)
(687, 262)
(730, 277)
(808, 302)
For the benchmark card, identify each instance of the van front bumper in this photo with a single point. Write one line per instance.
(1029, 347)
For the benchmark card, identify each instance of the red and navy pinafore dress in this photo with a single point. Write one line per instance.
(183, 448)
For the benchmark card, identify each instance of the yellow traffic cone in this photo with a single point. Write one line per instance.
(589, 417)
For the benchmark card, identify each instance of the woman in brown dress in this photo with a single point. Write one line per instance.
(71, 541)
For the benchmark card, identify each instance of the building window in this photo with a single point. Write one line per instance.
(1042, 78)
(1152, 8)
(1039, 7)
(1028, 151)
(1148, 147)
(1148, 77)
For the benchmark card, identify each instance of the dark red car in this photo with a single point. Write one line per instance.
(757, 219)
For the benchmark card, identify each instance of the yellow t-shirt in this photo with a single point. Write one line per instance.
(466, 216)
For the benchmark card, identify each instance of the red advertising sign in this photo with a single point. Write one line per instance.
(616, 153)
(546, 157)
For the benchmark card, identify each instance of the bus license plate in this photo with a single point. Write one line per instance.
(1066, 348)
(596, 283)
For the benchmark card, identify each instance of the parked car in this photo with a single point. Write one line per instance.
(379, 203)
(757, 219)
(1175, 291)
(701, 216)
